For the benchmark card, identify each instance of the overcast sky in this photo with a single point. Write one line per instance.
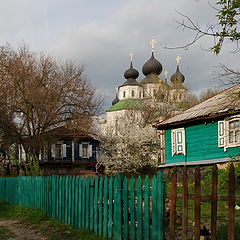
(101, 34)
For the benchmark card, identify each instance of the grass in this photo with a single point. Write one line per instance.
(5, 234)
(39, 220)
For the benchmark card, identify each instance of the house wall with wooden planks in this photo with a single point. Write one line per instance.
(201, 144)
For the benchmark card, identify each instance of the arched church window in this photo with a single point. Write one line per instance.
(133, 93)
(124, 94)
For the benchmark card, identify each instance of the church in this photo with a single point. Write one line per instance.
(133, 92)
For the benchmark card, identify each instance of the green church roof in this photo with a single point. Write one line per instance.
(129, 104)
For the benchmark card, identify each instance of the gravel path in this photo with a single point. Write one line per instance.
(21, 232)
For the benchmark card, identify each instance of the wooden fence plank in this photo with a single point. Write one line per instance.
(110, 212)
(214, 199)
(69, 200)
(83, 202)
(154, 208)
(185, 203)
(100, 208)
(61, 196)
(197, 204)
(231, 202)
(73, 203)
(117, 216)
(87, 195)
(96, 206)
(146, 218)
(91, 202)
(105, 206)
(132, 209)
(160, 205)
(125, 208)
(80, 202)
(139, 209)
(173, 205)
(76, 209)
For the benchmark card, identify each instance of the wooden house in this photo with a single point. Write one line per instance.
(207, 133)
(66, 147)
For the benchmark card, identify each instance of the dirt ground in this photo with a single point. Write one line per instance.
(21, 232)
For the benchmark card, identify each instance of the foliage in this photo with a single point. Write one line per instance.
(38, 94)
(226, 27)
(222, 178)
(43, 223)
(30, 168)
(130, 150)
(223, 232)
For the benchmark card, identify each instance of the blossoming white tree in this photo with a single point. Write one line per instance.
(131, 149)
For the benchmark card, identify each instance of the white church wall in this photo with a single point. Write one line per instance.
(130, 92)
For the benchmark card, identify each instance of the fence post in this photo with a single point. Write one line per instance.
(197, 204)
(231, 202)
(214, 199)
(161, 200)
(173, 204)
(185, 203)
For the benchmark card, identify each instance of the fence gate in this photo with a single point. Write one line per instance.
(180, 183)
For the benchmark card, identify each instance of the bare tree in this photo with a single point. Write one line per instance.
(227, 14)
(38, 94)
(227, 76)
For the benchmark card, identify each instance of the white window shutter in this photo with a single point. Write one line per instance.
(53, 150)
(221, 133)
(173, 142)
(64, 150)
(89, 151)
(178, 141)
(80, 150)
(181, 141)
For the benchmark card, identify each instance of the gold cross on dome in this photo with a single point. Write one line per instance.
(152, 43)
(178, 59)
(131, 56)
(165, 74)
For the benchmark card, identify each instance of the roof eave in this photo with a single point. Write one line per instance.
(215, 116)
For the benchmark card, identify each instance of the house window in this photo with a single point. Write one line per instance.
(124, 94)
(234, 131)
(59, 150)
(85, 150)
(229, 132)
(140, 94)
(178, 141)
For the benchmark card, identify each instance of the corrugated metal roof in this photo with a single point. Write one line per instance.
(224, 102)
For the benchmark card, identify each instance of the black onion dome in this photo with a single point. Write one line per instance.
(152, 66)
(116, 100)
(131, 72)
(177, 78)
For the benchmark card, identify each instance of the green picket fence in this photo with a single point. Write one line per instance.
(111, 206)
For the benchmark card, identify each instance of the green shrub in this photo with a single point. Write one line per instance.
(223, 232)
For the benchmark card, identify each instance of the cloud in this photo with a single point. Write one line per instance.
(100, 35)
